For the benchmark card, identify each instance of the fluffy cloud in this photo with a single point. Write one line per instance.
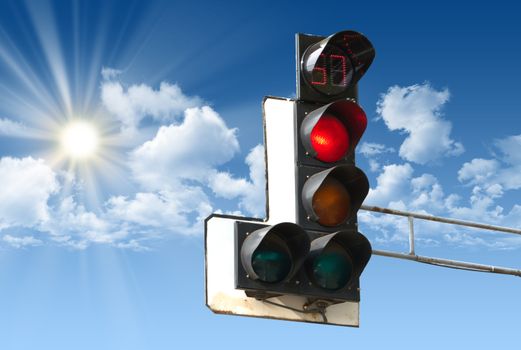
(27, 184)
(251, 192)
(186, 151)
(175, 173)
(489, 179)
(72, 225)
(510, 147)
(415, 110)
(14, 129)
(20, 242)
(369, 149)
(133, 104)
(391, 185)
(397, 188)
(169, 211)
(478, 171)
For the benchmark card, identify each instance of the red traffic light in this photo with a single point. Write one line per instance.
(331, 133)
(330, 139)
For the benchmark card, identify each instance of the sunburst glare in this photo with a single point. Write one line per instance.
(80, 139)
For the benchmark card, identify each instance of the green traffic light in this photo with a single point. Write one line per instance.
(332, 269)
(271, 265)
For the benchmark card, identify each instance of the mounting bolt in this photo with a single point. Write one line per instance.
(297, 282)
(247, 276)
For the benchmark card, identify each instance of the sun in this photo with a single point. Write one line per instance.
(79, 139)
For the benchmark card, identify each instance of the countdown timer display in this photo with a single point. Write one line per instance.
(333, 65)
(328, 71)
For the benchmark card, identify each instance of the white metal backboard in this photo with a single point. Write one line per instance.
(221, 295)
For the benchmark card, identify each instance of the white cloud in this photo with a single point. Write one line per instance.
(415, 110)
(478, 171)
(110, 73)
(27, 184)
(72, 225)
(391, 185)
(133, 104)
(369, 149)
(186, 151)
(427, 193)
(20, 242)
(14, 129)
(510, 147)
(372, 151)
(252, 191)
(490, 179)
(181, 211)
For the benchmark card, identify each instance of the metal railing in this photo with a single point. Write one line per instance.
(438, 261)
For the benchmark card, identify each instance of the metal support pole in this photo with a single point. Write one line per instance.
(438, 261)
(450, 263)
(411, 235)
(440, 219)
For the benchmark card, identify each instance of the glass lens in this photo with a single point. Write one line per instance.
(332, 269)
(271, 261)
(330, 139)
(332, 203)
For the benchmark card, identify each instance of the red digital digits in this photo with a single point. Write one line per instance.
(334, 69)
(321, 70)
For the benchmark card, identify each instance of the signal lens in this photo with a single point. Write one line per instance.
(330, 139)
(331, 203)
(271, 261)
(332, 269)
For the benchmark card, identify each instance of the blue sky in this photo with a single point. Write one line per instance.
(106, 252)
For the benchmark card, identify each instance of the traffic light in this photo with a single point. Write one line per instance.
(321, 255)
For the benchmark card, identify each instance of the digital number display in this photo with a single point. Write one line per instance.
(328, 71)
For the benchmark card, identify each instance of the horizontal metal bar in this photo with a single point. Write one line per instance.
(440, 219)
(450, 263)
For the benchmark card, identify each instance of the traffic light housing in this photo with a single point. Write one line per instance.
(304, 261)
(321, 255)
(296, 262)
(328, 68)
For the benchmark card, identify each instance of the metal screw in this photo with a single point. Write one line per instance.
(308, 217)
(297, 282)
(247, 276)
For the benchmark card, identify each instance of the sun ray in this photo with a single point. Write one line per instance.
(45, 23)
(52, 84)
